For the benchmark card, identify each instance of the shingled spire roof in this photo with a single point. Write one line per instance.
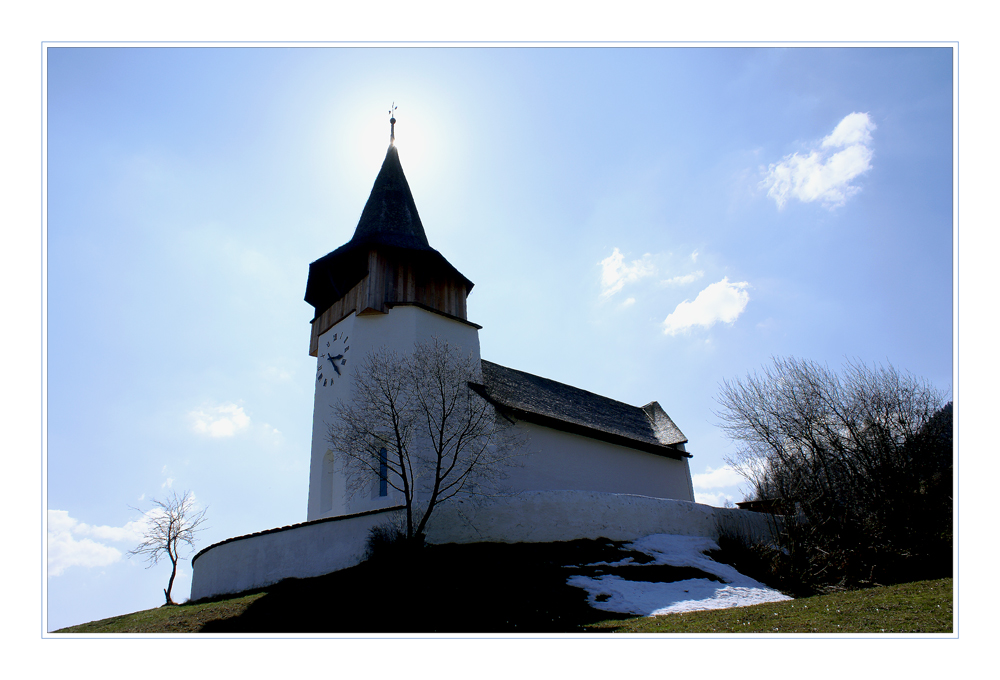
(388, 221)
(390, 216)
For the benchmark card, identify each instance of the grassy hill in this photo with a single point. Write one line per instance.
(494, 588)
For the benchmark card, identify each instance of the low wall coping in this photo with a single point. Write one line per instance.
(289, 527)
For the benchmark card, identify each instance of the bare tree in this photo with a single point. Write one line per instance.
(860, 454)
(414, 424)
(174, 521)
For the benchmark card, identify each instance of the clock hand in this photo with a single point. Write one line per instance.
(333, 361)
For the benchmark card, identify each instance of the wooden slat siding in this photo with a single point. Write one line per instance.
(391, 280)
(377, 280)
(336, 312)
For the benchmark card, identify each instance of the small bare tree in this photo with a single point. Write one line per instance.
(174, 521)
(414, 424)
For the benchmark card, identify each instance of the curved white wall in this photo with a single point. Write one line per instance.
(318, 548)
(299, 551)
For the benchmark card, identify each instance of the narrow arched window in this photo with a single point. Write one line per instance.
(383, 474)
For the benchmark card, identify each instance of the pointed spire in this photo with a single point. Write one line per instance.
(390, 216)
(389, 222)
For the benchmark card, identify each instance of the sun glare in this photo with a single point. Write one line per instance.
(427, 139)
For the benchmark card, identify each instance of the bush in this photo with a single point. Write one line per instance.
(387, 542)
(761, 557)
(865, 457)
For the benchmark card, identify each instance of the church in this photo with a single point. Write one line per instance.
(594, 466)
(387, 287)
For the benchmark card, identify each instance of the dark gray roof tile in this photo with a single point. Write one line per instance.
(554, 404)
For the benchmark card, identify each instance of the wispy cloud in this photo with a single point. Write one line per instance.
(717, 486)
(73, 543)
(615, 273)
(684, 279)
(721, 301)
(718, 500)
(824, 174)
(717, 479)
(219, 421)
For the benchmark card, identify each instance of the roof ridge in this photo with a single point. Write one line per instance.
(573, 387)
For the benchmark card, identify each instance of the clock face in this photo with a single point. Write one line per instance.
(332, 360)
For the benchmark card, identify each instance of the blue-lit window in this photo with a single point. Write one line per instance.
(383, 474)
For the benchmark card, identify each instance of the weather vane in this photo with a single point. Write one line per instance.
(392, 124)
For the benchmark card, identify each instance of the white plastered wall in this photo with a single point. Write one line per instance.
(399, 330)
(296, 552)
(558, 460)
(531, 516)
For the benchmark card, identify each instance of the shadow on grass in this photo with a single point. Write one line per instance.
(477, 588)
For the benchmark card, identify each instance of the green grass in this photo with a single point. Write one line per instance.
(920, 607)
(493, 588)
(184, 618)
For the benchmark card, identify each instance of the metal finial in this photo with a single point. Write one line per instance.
(392, 124)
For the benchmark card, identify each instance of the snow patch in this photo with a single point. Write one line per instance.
(616, 594)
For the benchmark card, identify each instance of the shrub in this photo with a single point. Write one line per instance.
(387, 541)
(864, 456)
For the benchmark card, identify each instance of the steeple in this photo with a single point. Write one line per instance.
(387, 262)
(390, 216)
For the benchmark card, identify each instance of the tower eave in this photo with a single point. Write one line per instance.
(331, 276)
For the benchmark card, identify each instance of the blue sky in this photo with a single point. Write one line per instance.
(641, 223)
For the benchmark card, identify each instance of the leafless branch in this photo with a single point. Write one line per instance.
(441, 439)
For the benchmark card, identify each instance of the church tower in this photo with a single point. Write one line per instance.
(386, 287)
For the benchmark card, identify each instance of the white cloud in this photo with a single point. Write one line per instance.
(694, 256)
(683, 279)
(719, 478)
(717, 500)
(854, 129)
(721, 301)
(615, 273)
(220, 421)
(72, 544)
(168, 483)
(821, 174)
(725, 480)
(628, 302)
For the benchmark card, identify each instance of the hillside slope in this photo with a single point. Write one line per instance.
(497, 588)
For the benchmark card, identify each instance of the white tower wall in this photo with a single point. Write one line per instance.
(400, 329)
